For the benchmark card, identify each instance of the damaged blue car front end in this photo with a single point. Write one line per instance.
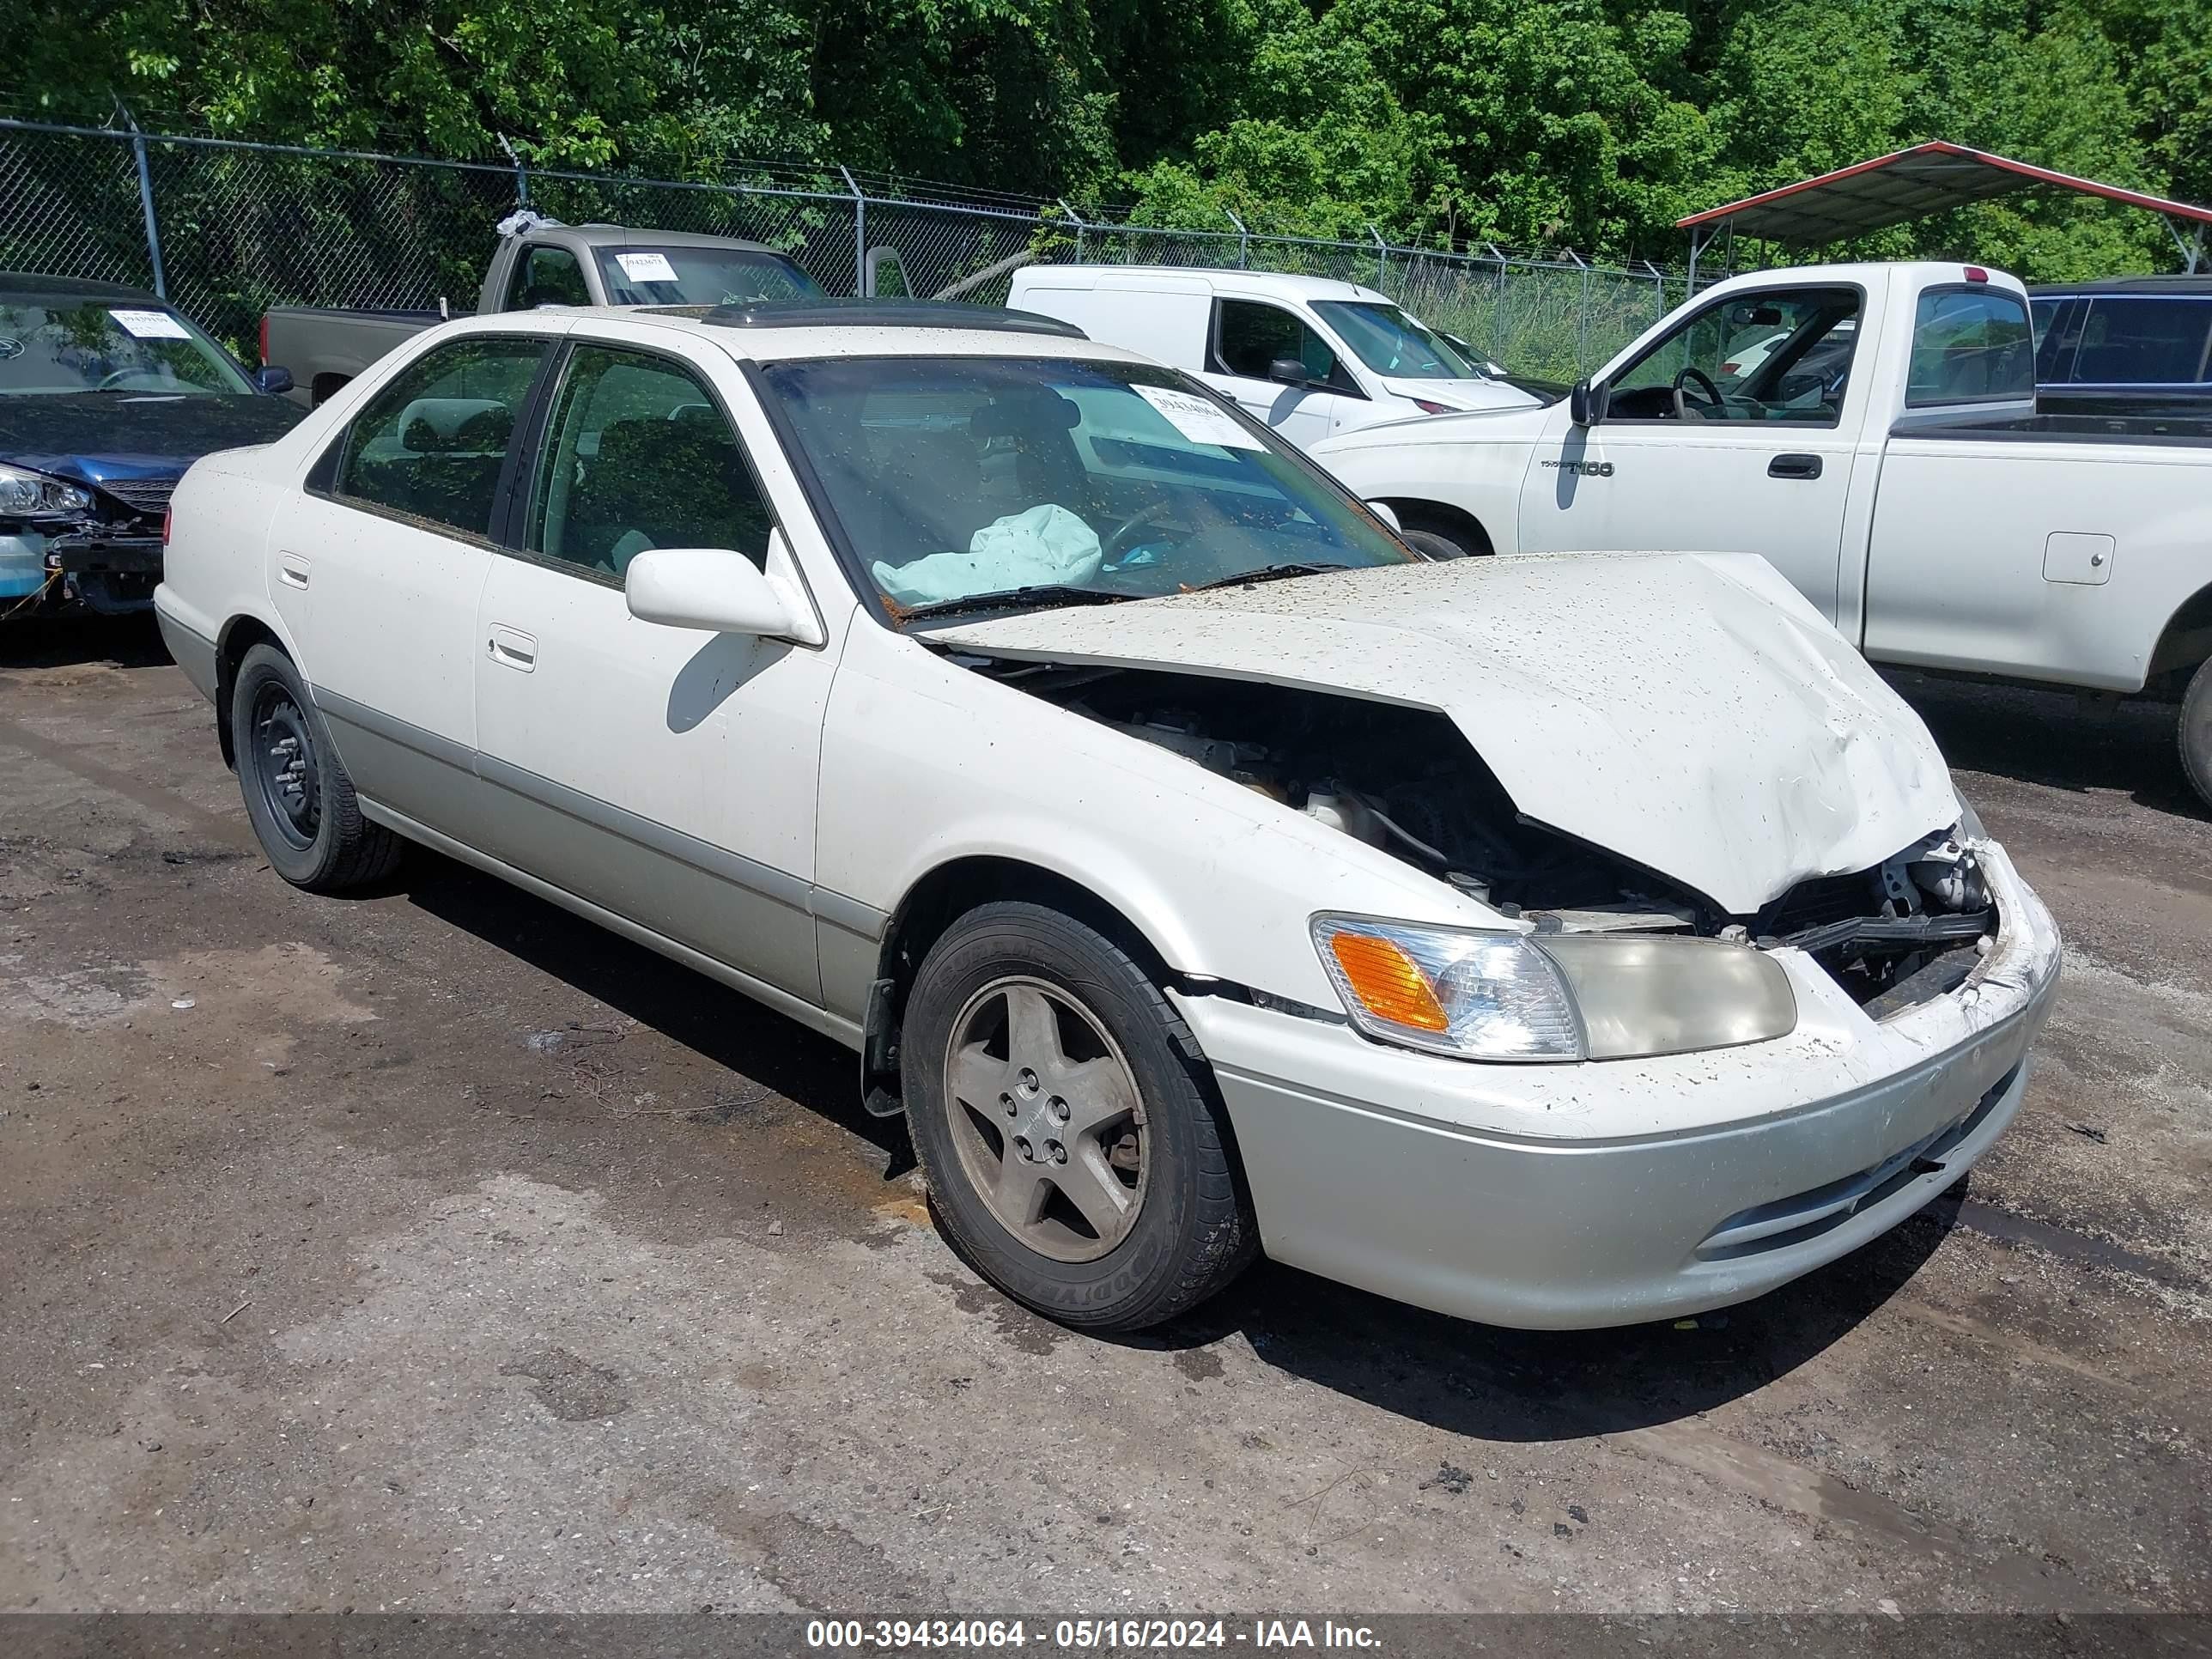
(107, 397)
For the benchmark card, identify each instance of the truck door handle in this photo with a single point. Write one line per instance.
(291, 570)
(1794, 466)
(511, 647)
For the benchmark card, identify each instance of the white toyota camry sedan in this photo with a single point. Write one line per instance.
(1200, 869)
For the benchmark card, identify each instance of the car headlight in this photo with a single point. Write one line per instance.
(27, 494)
(1553, 997)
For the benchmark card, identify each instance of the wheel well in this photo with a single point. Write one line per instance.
(239, 636)
(325, 385)
(941, 898)
(2185, 646)
(1441, 518)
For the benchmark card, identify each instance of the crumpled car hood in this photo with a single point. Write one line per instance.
(1689, 712)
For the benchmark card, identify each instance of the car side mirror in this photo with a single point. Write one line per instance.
(1587, 403)
(712, 589)
(1289, 371)
(273, 378)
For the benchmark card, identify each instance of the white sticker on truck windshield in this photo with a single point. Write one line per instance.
(646, 267)
(1201, 421)
(150, 324)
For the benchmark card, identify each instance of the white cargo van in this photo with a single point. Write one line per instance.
(1308, 355)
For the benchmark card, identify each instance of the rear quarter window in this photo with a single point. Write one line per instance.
(1970, 345)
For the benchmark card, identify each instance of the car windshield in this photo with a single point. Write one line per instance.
(701, 276)
(1390, 342)
(50, 346)
(954, 478)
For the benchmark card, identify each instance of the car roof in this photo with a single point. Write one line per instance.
(598, 235)
(852, 312)
(27, 285)
(1280, 285)
(865, 336)
(2124, 285)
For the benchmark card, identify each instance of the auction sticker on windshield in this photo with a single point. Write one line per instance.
(646, 267)
(150, 324)
(1201, 421)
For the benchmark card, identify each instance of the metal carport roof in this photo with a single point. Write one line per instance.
(1912, 184)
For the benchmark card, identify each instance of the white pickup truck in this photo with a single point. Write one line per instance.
(1871, 430)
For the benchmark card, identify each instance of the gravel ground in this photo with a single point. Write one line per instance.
(434, 1250)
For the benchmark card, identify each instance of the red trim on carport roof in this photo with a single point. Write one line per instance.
(1941, 146)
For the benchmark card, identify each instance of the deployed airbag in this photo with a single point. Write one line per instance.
(1047, 544)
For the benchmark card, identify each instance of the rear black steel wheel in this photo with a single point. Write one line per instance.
(298, 795)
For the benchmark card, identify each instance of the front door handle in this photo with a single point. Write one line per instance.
(1794, 466)
(292, 569)
(511, 647)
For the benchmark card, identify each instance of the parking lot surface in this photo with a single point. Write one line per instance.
(434, 1249)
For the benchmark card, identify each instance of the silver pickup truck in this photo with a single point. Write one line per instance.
(540, 264)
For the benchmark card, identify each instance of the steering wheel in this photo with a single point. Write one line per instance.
(1125, 534)
(111, 382)
(1712, 394)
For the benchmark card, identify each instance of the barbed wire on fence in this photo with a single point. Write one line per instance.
(227, 228)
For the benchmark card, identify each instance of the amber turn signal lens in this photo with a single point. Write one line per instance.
(1388, 982)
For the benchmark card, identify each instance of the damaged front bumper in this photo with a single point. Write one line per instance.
(109, 568)
(1613, 1192)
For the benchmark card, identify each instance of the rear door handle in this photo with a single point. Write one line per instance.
(512, 647)
(292, 570)
(1794, 466)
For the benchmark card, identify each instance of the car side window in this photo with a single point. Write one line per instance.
(546, 276)
(1970, 345)
(1249, 335)
(637, 455)
(1782, 356)
(2146, 340)
(431, 445)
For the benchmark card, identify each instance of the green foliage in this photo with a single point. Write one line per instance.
(1536, 123)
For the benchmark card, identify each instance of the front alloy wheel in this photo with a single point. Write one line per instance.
(1047, 1122)
(1077, 1152)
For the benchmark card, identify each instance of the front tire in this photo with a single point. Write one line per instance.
(297, 792)
(2196, 733)
(1073, 1141)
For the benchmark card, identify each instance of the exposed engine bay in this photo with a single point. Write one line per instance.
(1407, 781)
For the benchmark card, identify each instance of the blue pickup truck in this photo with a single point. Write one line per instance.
(106, 395)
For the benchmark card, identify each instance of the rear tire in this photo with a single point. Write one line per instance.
(1440, 534)
(1074, 1143)
(298, 795)
(2195, 736)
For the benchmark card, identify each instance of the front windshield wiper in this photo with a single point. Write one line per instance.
(1008, 598)
(1266, 573)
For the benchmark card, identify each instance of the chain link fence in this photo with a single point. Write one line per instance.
(226, 229)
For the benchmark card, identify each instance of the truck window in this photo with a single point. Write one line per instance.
(1781, 356)
(546, 276)
(2144, 340)
(638, 455)
(430, 445)
(709, 276)
(1249, 334)
(1970, 345)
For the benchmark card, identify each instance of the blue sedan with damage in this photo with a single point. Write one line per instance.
(106, 395)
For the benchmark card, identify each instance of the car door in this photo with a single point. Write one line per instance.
(666, 775)
(1248, 337)
(377, 566)
(1735, 432)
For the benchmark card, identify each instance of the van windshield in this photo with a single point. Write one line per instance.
(1390, 342)
(1027, 482)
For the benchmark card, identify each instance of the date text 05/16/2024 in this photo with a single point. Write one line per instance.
(1083, 1635)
